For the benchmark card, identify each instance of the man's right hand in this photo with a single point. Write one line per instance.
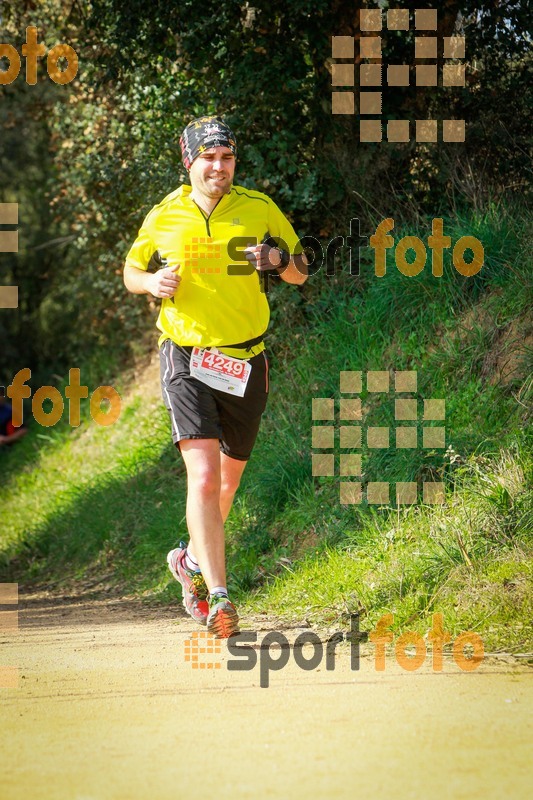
(164, 282)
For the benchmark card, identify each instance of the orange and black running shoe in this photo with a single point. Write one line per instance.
(223, 620)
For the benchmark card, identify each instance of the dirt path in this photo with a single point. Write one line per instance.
(108, 709)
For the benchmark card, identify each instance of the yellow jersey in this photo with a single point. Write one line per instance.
(213, 306)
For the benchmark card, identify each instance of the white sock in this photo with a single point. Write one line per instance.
(218, 590)
(191, 562)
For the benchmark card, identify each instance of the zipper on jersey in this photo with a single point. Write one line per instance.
(207, 217)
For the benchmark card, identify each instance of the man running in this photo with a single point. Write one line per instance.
(213, 316)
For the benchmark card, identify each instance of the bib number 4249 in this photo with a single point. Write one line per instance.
(228, 365)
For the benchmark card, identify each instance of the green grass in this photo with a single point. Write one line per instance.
(469, 559)
(97, 507)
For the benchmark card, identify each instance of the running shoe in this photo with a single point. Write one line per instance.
(194, 589)
(223, 620)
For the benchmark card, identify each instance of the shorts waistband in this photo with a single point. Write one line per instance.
(244, 345)
(234, 352)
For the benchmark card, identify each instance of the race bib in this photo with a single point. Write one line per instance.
(220, 372)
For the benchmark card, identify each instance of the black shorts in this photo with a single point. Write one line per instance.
(198, 411)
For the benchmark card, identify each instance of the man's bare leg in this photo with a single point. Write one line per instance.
(204, 520)
(212, 480)
(231, 472)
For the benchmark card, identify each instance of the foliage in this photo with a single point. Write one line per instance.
(104, 149)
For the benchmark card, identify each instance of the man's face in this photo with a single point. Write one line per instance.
(212, 172)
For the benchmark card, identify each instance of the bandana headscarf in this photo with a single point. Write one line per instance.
(202, 134)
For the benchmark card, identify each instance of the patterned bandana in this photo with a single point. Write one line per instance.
(202, 134)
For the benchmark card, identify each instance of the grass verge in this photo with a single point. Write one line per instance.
(99, 507)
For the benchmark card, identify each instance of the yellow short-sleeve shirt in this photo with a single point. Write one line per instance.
(213, 307)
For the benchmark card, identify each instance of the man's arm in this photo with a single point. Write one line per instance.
(163, 283)
(296, 270)
(265, 257)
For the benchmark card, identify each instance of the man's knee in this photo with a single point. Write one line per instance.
(204, 480)
(230, 485)
(203, 467)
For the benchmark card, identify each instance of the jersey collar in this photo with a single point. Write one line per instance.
(186, 190)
